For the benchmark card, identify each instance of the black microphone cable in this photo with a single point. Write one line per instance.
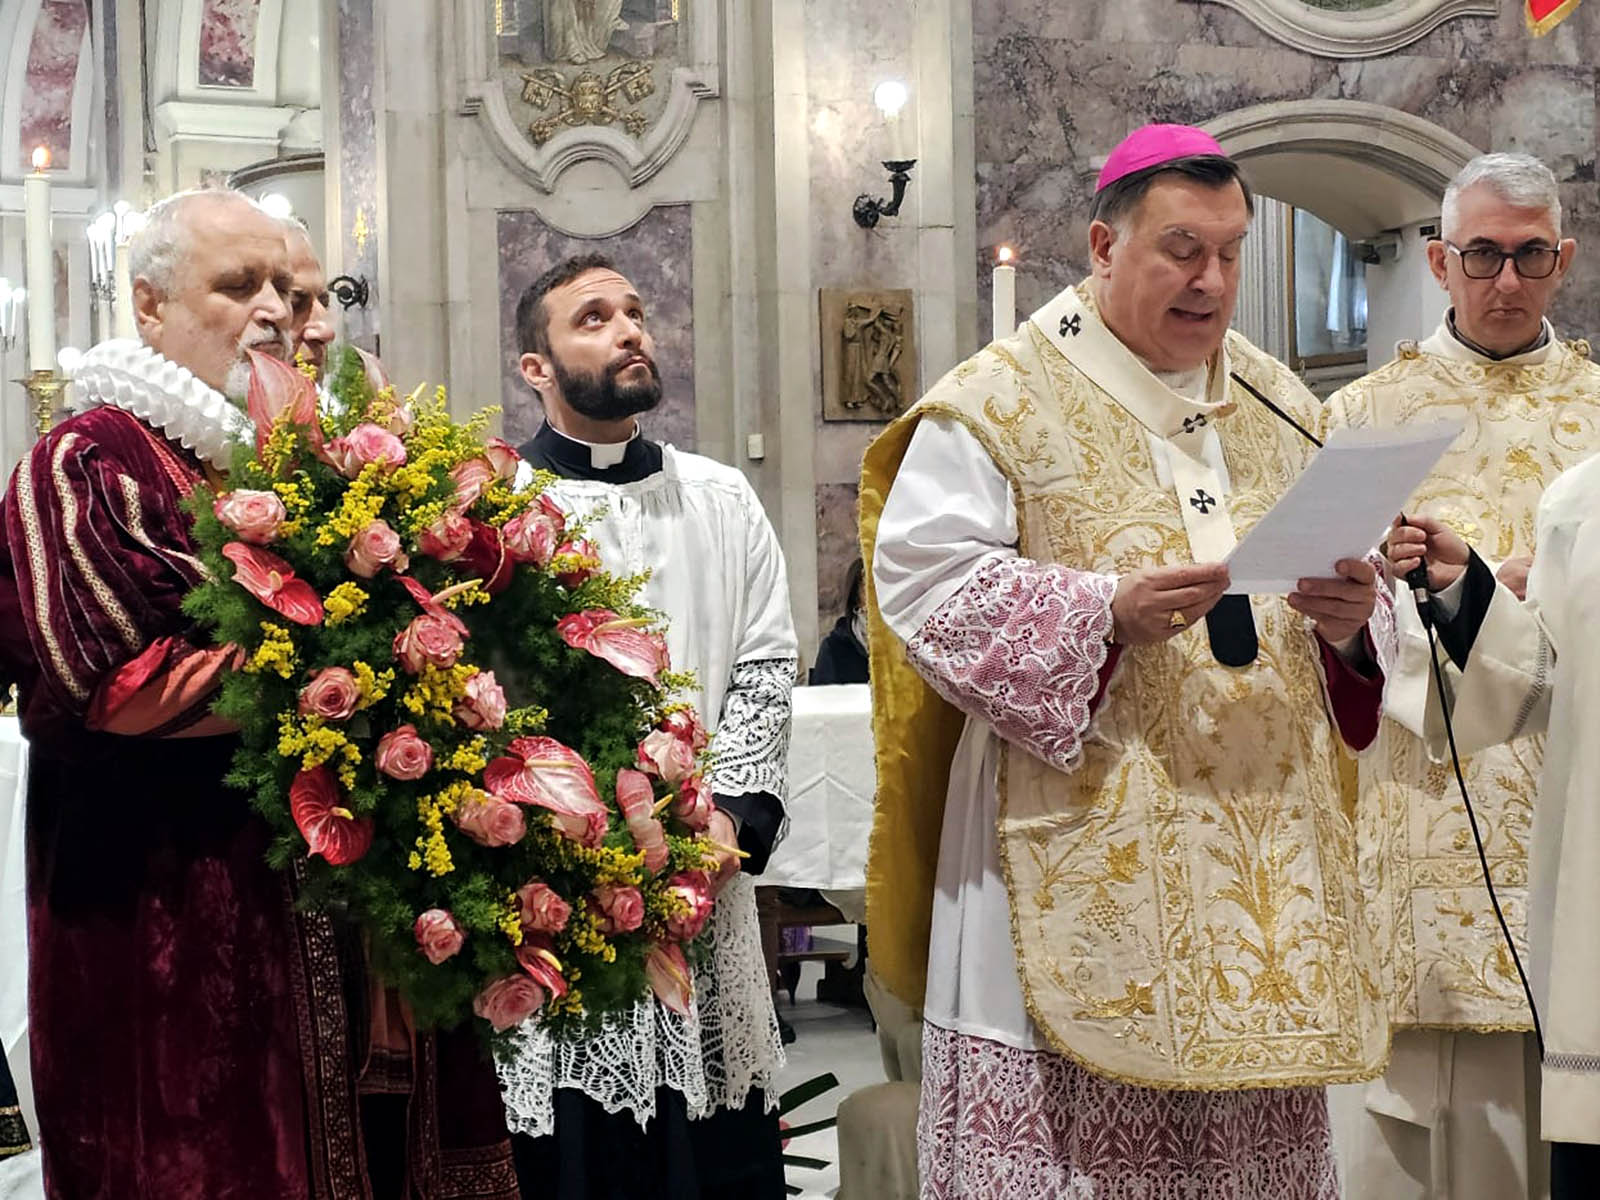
(1417, 581)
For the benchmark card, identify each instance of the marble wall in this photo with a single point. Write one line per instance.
(358, 213)
(657, 255)
(1056, 86)
(849, 50)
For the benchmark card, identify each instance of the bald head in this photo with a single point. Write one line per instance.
(211, 280)
(310, 326)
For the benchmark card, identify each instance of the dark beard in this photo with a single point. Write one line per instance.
(598, 396)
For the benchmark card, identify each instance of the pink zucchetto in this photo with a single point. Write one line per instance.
(1151, 145)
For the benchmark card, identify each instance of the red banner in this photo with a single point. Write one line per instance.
(1545, 15)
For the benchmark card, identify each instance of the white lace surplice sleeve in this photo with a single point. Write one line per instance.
(1016, 643)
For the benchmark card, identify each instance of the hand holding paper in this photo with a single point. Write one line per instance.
(1338, 508)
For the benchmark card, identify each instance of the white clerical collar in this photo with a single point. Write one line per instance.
(601, 454)
(1447, 342)
(129, 375)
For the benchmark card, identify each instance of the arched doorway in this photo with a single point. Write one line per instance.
(1360, 184)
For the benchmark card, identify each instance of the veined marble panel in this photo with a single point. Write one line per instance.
(358, 164)
(656, 255)
(1056, 86)
(228, 43)
(52, 69)
(838, 545)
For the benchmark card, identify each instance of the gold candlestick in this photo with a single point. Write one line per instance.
(44, 389)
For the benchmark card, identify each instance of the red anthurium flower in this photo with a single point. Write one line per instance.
(624, 642)
(331, 831)
(637, 800)
(668, 973)
(276, 389)
(539, 960)
(486, 557)
(543, 772)
(272, 581)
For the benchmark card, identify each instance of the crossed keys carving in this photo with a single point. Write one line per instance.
(587, 99)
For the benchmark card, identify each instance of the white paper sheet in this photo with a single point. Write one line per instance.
(1339, 507)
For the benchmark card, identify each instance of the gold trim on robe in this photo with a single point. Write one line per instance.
(1443, 960)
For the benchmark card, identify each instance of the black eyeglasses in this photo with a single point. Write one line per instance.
(1486, 262)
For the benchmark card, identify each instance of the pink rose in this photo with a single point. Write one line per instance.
(431, 638)
(668, 974)
(471, 478)
(693, 890)
(533, 536)
(693, 805)
(363, 445)
(543, 909)
(490, 822)
(438, 935)
(484, 705)
(582, 561)
(447, 538)
(402, 754)
(664, 754)
(332, 695)
(502, 456)
(509, 1001)
(254, 516)
(621, 909)
(685, 723)
(538, 959)
(373, 548)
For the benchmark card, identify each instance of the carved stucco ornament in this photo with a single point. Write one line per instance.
(1353, 28)
(632, 107)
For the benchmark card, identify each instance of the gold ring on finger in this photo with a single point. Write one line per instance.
(1177, 620)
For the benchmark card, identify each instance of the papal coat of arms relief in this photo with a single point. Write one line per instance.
(563, 80)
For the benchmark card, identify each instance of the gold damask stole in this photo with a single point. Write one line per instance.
(1183, 426)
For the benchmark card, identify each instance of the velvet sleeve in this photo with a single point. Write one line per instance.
(101, 557)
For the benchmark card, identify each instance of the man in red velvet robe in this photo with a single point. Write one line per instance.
(192, 1035)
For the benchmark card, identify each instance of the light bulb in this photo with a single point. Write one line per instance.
(890, 96)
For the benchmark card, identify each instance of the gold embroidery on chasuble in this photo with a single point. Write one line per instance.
(1442, 956)
(1184, 903)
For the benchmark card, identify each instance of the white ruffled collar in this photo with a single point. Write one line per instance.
(129, 375)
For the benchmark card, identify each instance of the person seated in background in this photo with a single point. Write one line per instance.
(842, 657)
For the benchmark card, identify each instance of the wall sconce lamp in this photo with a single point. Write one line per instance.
(350, 291)
(890, 96)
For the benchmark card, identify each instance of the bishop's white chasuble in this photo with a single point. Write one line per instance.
(1180, 875)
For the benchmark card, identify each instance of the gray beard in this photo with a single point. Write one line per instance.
(236, 387)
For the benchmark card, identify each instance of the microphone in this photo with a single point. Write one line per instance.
(1417, 581)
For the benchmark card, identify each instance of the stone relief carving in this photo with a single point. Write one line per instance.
(1353, 28)
(563, 80)
(868, 354)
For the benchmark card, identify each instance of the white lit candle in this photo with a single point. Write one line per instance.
(1005, 294)
(41, 265)
(129, 223)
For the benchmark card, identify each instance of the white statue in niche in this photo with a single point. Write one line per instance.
(578, 31)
